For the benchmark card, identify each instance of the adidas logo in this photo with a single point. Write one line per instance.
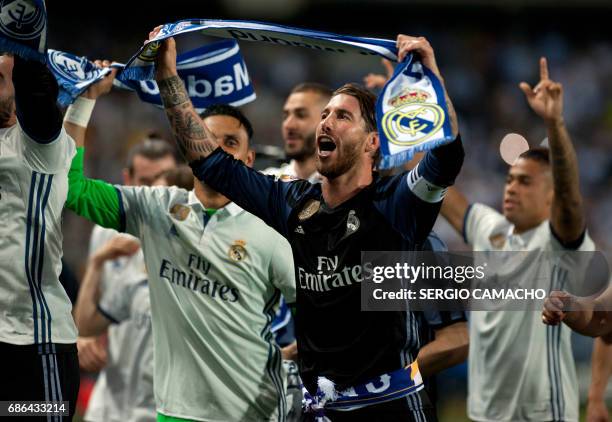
(299, 230)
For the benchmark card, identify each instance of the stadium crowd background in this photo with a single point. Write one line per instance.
(484, 49)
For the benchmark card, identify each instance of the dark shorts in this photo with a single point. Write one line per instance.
(399, 410)
(40, 373)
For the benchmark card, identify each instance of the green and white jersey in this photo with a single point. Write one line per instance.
(214, 283)
(519, 368)
(34, 307)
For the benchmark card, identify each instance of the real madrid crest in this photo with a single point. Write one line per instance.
(352, 223)
(21, 19)
(497, 240)
(180, 211)
(310, 208)
(237, 251)
(412, 119)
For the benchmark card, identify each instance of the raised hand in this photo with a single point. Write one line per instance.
(103, 86)
(165, 63)
(407, 44)
(546, 99)
(419, 45)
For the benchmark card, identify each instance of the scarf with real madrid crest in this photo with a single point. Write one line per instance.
(23, 28)
(411, 111)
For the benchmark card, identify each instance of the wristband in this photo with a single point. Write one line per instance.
(80, 111)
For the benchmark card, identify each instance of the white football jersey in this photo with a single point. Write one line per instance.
(34, 307)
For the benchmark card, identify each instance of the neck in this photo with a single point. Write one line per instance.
(520, 229)
(12, 121)
(209, 197)
(344, 187)
(306, 167)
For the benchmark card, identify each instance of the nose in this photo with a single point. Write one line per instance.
(325, 125)
(511, 187)
(289, 121)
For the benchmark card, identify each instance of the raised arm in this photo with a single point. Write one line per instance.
(96, 200)
(546, 99)
(454, 208)
(419, 45)
(90, 321)
(259, 194)
(415, 203)
(78, 114)
(193, 139)
(35, 100)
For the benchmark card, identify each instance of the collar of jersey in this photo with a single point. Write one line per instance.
(231, 208)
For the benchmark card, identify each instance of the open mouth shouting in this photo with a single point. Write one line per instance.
(325, 146)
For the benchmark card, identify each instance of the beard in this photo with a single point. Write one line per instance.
(308, 149)
(347, 156)
(7, 109)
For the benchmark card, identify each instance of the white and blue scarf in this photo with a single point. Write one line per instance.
(23, 28)
(212, 74)
(411, 111)
(386, 387)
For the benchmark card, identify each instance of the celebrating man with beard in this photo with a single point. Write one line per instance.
(329, 225)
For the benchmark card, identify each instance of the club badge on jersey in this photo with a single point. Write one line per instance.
(213, 74)
(23, 28)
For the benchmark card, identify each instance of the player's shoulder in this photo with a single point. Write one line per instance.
(383, 185)
(160, 195)
(546, 236)
(50, 157)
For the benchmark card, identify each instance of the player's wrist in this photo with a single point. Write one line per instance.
(79, 113)
(595, 397)
(98, 259)
(555, 122)
(164, 72)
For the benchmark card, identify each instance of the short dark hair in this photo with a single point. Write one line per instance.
(151, 149)
(539, 154)
(366, 100)
(315, 87)
(228, 110)
(180, 176)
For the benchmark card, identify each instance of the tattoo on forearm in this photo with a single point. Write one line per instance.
(564, 163)
(192, 139)
(172, 91)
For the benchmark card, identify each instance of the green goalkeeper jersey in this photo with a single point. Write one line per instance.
(215, 282)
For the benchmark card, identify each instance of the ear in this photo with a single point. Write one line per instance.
(127, 179)
(372, 142)
(250, 158)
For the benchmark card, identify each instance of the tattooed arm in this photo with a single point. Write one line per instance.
(193, 139)
(567, 216)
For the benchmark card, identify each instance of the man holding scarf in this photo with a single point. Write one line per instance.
(342, 351)
(37, 333)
